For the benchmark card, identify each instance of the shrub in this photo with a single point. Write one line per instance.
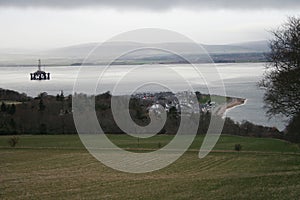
(159, 145)
(293, 128)
(13, 141)
(3, 107)
(238, 147)
(12, 109)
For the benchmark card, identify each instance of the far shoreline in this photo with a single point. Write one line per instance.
(233, 103)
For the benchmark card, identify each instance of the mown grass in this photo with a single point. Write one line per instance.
(11, 102)
(58, 167)
(226, 142)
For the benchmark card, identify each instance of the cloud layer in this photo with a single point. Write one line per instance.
(155, 4)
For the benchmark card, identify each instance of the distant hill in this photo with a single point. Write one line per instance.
(184, 48)
(76, 53)
(258, 46)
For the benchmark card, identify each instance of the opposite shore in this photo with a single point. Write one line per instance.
(231, 104)
(53, 114)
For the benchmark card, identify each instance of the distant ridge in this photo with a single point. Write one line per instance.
(258, 46)
(76, 53)
(246, 47)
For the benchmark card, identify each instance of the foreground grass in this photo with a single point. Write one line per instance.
(226, 142)
(58, 167)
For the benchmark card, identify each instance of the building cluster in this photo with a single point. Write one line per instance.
(184, 102)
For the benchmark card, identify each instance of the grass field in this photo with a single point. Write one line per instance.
(58, 167)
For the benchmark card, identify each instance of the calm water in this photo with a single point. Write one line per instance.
(240, 80)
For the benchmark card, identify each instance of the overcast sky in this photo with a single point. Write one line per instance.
(34, 24)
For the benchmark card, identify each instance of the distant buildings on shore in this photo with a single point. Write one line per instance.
(183, 102)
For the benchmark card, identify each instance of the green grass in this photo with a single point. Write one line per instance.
(226, 142)
(11, 102)
(58, 167)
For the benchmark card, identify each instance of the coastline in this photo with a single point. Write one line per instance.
(234, 102)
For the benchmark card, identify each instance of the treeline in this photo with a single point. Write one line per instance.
(11, 95)
(48, 114)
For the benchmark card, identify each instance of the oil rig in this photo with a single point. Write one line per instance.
(39, 74)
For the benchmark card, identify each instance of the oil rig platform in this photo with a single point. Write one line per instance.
(39, 74)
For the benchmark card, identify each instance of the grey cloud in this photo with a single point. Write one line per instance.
(155, 4)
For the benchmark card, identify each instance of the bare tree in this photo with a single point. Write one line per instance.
(282, 76)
